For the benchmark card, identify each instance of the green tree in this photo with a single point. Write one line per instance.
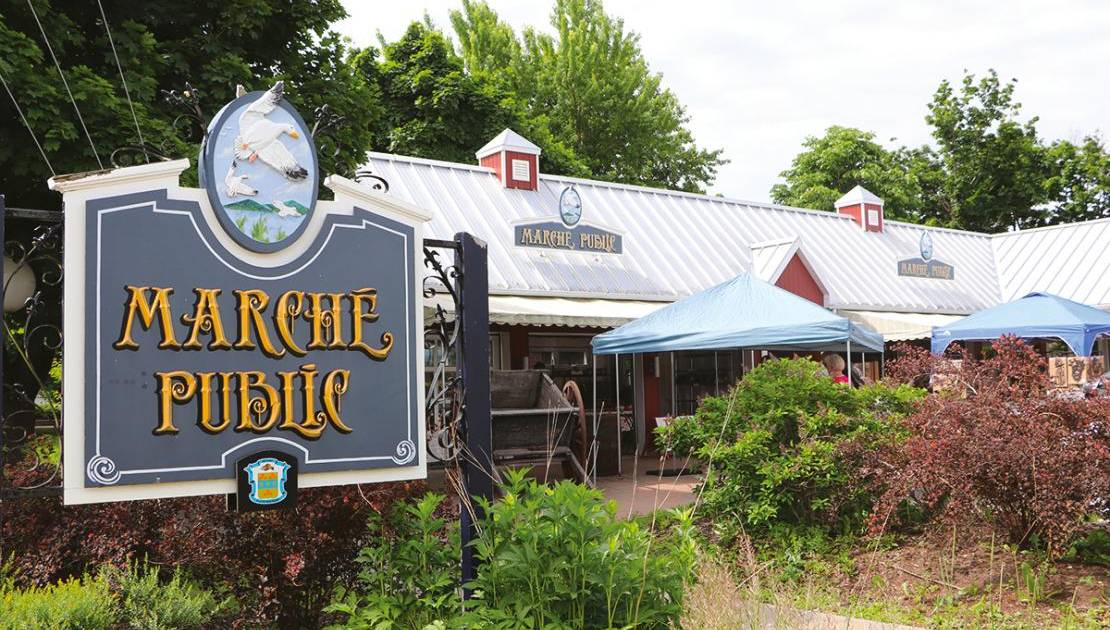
(995, 168)
(834, 163)
(589, 84)
(1079, 185)
(213, 44)
(436, 109)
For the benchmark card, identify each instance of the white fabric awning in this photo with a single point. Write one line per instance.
(900, 326)
(521, 310)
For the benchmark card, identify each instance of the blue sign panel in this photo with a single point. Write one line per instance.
(196, 337)
(555, 235)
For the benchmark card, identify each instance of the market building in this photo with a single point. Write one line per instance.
(570, 258)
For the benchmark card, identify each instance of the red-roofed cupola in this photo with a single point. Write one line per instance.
(514, 159)
(864, 207)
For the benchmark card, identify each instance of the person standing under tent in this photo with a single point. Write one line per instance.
(834, 363)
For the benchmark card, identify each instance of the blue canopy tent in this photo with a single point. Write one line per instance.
(1035, 316)
(742, 313)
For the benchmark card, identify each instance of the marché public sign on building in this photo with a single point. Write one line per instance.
(206, 327)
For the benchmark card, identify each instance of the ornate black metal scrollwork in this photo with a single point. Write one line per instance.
(187, 101)
(324, 129)
(32, 340)
(443, 402)
(375, 181)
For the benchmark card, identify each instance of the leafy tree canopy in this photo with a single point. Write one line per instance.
(212, 44)
(988, 172)
(833, 164)
(589, 84)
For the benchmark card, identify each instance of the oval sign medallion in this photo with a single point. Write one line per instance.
(258, 164)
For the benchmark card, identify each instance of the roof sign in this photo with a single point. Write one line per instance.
(568, 233)
(924, 266)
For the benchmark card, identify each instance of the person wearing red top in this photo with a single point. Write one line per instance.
(834, 363)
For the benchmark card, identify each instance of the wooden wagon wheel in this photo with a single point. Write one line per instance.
(579, 439)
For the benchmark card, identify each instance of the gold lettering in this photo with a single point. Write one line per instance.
(284, 316)
(258, 408)
(370, 297)
(250, 305)
(137, 302)
(206, 319)
(173, 387)
(324, 321)
(204, 414)
(335, 385)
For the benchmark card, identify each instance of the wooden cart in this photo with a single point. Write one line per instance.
(534, 424)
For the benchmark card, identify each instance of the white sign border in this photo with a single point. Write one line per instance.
(77, 192)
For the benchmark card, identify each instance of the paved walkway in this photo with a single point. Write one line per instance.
(645, 492)
(778, 617)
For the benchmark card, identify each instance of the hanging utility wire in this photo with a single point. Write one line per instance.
(122, 79)
(65, 83)
(27, 124)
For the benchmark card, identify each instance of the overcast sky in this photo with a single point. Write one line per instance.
(758, 77)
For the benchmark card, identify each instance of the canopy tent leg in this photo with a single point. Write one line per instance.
(849, 368)
(593, 444)
(638, 400)
(716, 376)
(674, 389)
(617, 371)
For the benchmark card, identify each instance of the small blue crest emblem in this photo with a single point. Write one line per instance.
(267, 478)
(926, 246)
(258, 164)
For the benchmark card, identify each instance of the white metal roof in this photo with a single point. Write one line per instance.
(770, 259)
(1071, 261)
(676, 243)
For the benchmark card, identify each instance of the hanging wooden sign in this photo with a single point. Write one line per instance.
(204, 327)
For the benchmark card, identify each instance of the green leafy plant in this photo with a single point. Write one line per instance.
(786, 446)
(114, 598)
(148, 603)
(550, 556)
(80, 604)
(409, 578)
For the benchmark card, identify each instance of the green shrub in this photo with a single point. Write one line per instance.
(84, 604)
(113, 599)
(783, 446)
(551, 557)
(147, 603)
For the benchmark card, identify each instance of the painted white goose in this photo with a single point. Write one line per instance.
(284, 210)
(259, 137)
(236, 183)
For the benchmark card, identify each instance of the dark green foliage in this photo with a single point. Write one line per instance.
(1080, 180)
(989, 171)
(994, 165)
(434, 108)
(551, 556)
(833, 164)
(592, 100)
(781, 446)
(1091, 548)
(162, 44)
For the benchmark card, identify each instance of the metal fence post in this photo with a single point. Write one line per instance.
(474, 368)
(3, 285)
